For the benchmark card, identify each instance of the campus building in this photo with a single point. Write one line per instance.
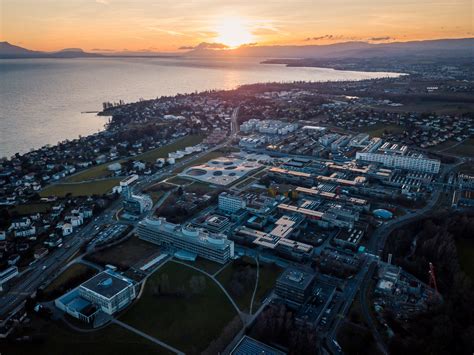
(408, 162)
(174, 237)
(107, 291)
(295, 285)
(230, 203)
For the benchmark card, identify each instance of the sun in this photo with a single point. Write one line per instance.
(233, 32)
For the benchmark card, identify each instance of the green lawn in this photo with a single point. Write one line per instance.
(98, 187)
(72, 277)
(239, 278)
(101, 171)
(30, 208)
(208, 266)
(185, 320)
(131, 252)
(465, 249)
(378, 129)
(267, 278)
(55, 338)
(162, 152)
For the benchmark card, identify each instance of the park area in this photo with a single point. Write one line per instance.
(72, 277)
(56, 338)
(184, 308)
(98, 187)
(126, 254)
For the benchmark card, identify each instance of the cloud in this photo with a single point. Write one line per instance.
(170, 32)
(319, 38)
(206, 45)
(384, 38)
(103, 2)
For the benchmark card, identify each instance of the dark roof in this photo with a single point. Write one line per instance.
(296, 278)
(249, 345)
(106, 284)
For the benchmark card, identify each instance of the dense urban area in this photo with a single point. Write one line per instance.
(279, 218)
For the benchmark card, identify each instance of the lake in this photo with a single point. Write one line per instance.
(41, 100)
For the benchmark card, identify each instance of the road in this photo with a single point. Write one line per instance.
(47, 268)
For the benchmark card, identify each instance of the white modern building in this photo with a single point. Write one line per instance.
(230, 203)
(109, 291)
(407, 162)
(174, 237)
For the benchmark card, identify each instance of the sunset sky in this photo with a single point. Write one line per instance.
(172, 25)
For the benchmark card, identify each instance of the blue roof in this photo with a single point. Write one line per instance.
(250, 346)
(381, 213)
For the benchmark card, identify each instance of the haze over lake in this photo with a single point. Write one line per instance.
(41, 100)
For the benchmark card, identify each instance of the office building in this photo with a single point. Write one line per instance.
(408, 162)
(295, 284)
(230, 203)
(109, 291)
(174, 237)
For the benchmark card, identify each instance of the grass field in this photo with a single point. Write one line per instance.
(72, 277)
(378, 129)
(465, 249)
(227, 277)
(31, 208)
(466, 168)
(101, 171)
(464, 149)
(205, 265)
(125, 254)
(55, 338)
(267, 278)
(189, 322)
(98, 187)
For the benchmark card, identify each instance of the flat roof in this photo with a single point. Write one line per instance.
(106, 284)
(296, 277)
(247, 346)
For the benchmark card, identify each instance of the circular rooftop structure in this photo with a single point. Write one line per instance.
(196, 172)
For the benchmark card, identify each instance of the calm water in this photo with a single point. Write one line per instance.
(41, 100)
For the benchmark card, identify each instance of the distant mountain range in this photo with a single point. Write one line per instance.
(463, 47)
(8, 50)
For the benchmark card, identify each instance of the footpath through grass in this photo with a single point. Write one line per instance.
(182, 307)
(51, 338)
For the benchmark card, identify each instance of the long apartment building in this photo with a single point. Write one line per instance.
(407, 162)
(175, 237)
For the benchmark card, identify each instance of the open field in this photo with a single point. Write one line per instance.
(239, 279)
(98, 187)
(173, 313)
(378, 129)
(465, 249)
(101, 171)
(267, 278)
(466, 168)
(466, 148)
(30, 208)
(206, 265)
(72, 277)
(162, 152)
(440, 107)
(55, 338)
(125, 254)
(177, 180)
